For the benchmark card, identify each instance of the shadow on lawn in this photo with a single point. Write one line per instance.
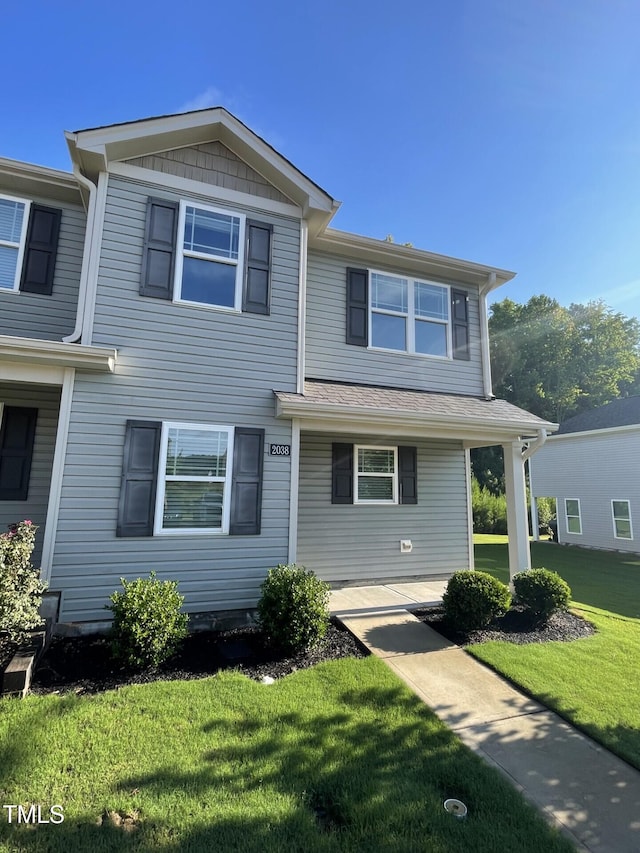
(299, 781)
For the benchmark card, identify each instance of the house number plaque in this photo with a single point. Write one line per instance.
(279, 450)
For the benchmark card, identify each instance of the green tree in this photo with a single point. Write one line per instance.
(556, 361)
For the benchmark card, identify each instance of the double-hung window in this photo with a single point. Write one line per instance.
(209, 263)
(14, 216)
(621, 511)
(572, 513)
(194, 479)
(408, 315)
(376, 475)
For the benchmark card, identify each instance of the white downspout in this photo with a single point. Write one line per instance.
(302, 305)
(533, 447)
(76, 335)
(484, 336)
(94, 260)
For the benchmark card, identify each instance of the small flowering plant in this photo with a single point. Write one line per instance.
(20, 585)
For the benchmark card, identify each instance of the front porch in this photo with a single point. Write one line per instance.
(386, 598)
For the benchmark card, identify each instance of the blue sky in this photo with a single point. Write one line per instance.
(498, 131)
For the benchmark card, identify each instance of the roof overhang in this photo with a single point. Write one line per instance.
(29, 351)
(92, 150)
(25, 179)
(396, 414)
(441, 267)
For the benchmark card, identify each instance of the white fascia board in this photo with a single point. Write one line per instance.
(369, 249)
(187, 186)
(326, 416)
(32, 351)
(591, 433)
(30, 179)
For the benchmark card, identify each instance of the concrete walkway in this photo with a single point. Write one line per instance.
(590, 794)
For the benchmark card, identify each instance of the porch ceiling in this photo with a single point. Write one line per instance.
(337, 407)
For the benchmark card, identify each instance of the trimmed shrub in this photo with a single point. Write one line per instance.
(20, 585)
(489, 510)
(294, 607)
(473, 599)
(542, 592)
(148, 625)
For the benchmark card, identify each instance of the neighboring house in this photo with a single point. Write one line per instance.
(198, 376)
(592, 469)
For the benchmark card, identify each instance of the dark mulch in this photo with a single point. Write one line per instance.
(516, 626)
(85, 665)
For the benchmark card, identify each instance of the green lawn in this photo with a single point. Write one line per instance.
(591, 682)
(227, 764)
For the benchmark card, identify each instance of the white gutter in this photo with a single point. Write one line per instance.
(484, 336)
(76, 335)
(535, 445)
(302, 306)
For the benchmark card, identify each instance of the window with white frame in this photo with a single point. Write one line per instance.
(408, 315)
(209, 265)
(14, 215)
(572, 513)
(194, 479)
(621, 511)
(376, 475)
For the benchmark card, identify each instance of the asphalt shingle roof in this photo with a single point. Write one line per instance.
(623, 412)
(416, 402)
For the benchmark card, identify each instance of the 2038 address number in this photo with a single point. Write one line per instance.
(280, 450)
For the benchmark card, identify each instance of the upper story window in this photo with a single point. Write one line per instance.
(209, 267)
(13, 230)
(201, 255)
(405, 314)
(409, 315)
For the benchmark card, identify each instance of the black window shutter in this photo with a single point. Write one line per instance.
(17, 435)
(159, 251)
(246, 482)
(342, 473)
(40, 250)
(408, 474)
(139, 478)
(257, 275)
(460, 324)
(357, 307)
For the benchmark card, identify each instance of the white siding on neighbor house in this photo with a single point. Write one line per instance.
(50, 318)
(175, 363)
(594, 469)
(47, 401)
(329, 357)
(356, 542)
(211, 163)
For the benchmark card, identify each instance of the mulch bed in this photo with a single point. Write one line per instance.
(516, 626)
(85, 665)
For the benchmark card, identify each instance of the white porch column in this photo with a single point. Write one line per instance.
(517, 520)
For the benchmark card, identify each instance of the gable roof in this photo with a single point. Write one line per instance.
(618, 413)
(94, 148)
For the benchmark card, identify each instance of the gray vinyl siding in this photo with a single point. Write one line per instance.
(345, 542)
(595, 469)
(175, 363)
(329, 357)
(50, 318)
(211, 163)
(47, 401)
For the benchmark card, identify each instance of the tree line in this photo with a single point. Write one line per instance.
(556, 362)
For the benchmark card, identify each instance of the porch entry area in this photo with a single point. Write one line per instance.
(386, 598)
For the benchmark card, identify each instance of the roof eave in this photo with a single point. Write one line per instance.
(31, 180)
(373, 419)
(370, 251)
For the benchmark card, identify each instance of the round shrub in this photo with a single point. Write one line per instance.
(542, 592)
(148, 625)
(294, 607)
(473, 599)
